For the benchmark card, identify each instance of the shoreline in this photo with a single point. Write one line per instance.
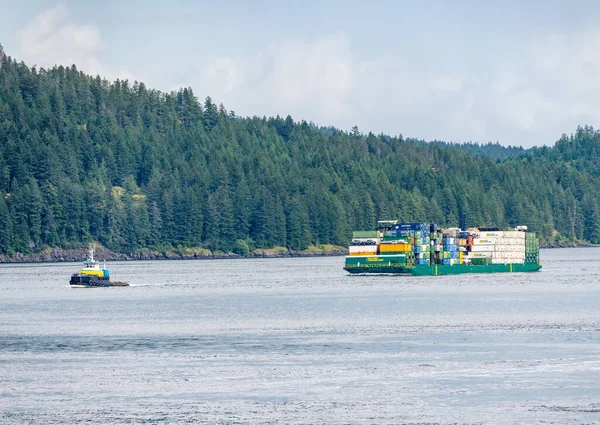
(59, 255)
(568, 245)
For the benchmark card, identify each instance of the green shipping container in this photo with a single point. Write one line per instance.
(396, 238)
(481, 261)
(365, 234)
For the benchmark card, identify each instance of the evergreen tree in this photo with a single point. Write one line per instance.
(82, 158)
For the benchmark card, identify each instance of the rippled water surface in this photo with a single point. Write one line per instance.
(300, 341)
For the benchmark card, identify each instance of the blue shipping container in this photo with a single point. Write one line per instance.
(411, 226)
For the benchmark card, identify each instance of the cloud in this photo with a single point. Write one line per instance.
(293, 77)
(325, 82)
(546, 88)
(51, 39)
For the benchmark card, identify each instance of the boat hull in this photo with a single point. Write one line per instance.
(439, 270)
(89, 281)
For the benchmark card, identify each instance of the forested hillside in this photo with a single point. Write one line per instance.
(83, 159)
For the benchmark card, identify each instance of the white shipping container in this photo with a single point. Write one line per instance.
(510, 248)
(514, 234)
(509, 252)
(479, 255)
(483, 248)
(367, 240)
(353, 249)
(513, 251)
(511, 241)
(503, 261)
(485, 241)
(498, 234)
(508, 258)
(511, 255)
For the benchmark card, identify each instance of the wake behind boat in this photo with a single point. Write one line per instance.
(92, 275)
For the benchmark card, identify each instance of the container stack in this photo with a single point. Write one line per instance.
(414, 238)
(426, 244)
(424, 249)
(364, 243)
(532, 248)
(451, 254)
(498, 247)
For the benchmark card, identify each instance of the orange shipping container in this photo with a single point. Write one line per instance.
(395, 247)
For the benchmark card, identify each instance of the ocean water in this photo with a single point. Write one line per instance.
(300, 341)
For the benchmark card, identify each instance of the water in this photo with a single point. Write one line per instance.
(299, 341)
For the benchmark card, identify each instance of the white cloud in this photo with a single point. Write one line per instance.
(547, 88)
(324, 82)
(309, 80)
(51, 39)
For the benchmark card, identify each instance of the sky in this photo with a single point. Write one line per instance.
(516, 72)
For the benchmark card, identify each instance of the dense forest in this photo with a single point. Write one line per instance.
(84, 159)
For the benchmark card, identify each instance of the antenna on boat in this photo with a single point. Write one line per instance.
(91, 251)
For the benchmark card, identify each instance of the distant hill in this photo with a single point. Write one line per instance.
(82, 158)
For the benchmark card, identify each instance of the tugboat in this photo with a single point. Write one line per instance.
(92, 275)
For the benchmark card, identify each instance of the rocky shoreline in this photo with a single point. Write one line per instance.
(102, 253)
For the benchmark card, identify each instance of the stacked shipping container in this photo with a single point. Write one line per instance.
(499, 247)
(364, 243)
(426, 244)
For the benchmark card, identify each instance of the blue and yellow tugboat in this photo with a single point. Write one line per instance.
(92, 275)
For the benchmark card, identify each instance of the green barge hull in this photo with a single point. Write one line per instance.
(438, 269)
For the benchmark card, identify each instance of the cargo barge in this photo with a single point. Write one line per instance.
(423, 249)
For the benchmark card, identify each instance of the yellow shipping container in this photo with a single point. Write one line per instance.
(395, 247)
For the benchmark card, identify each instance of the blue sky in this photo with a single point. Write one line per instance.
(521, 73)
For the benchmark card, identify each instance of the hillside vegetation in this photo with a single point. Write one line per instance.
(84, 159)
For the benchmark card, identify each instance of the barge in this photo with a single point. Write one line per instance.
(423, 249)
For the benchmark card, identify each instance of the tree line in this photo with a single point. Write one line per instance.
(84, 159)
